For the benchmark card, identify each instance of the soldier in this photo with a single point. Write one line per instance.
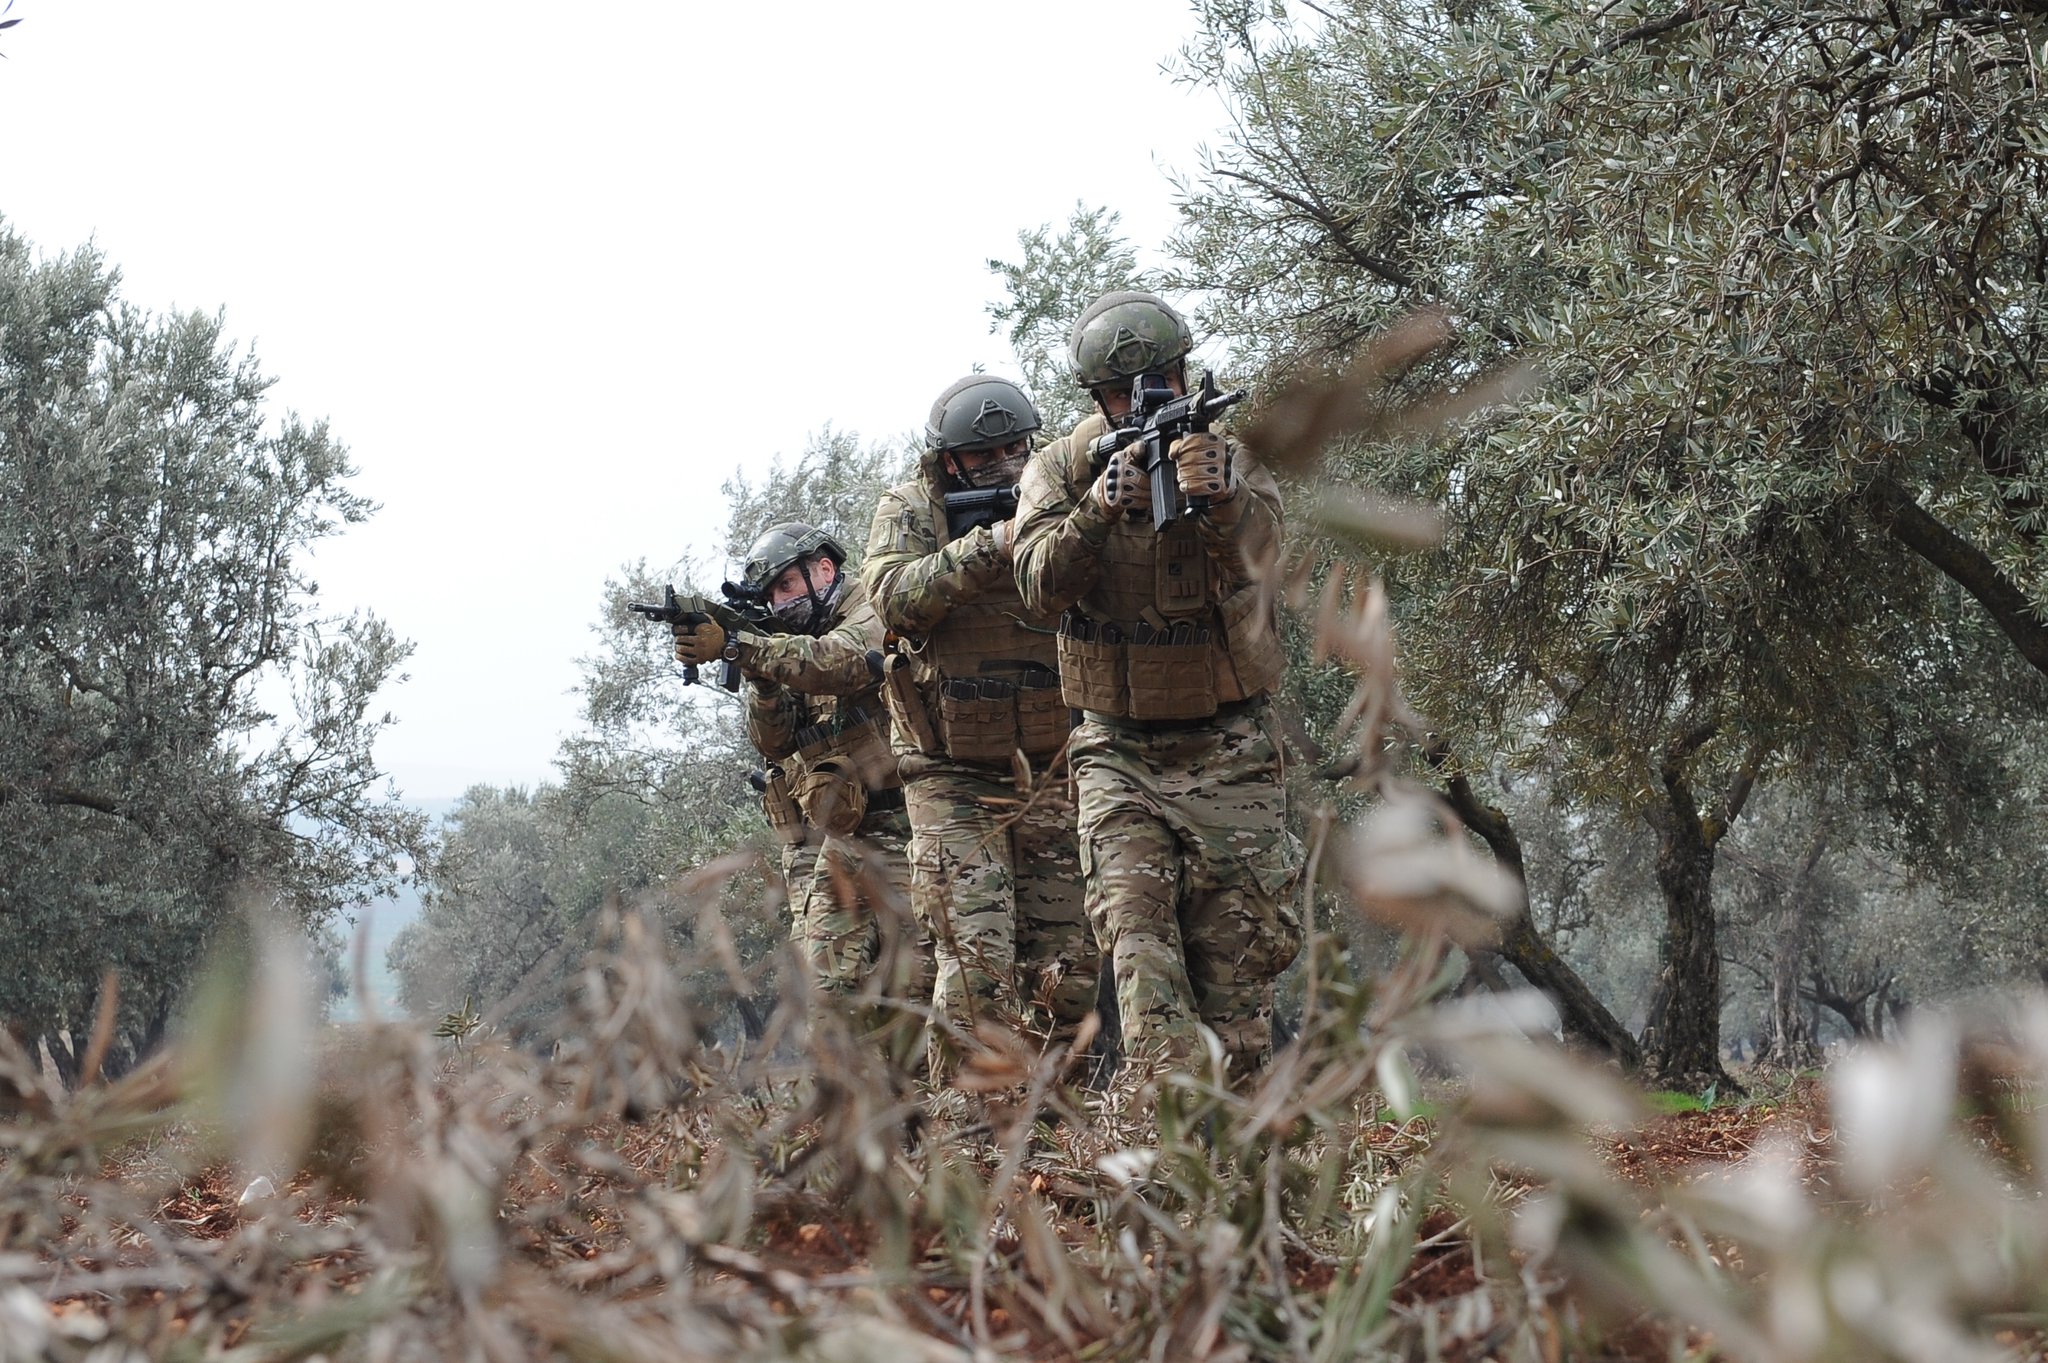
(995, 870)
(814, 710)
(1169, 647)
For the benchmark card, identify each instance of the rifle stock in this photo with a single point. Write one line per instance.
(978, 506)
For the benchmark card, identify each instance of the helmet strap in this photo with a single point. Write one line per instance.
(818, 601)
(811, 590)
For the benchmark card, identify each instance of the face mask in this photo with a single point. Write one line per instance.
(1002, 472)
(1007, 470)
(808, 613)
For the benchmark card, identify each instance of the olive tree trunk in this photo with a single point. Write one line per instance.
(1682, 1040)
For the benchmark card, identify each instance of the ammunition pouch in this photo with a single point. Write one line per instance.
(986, 719)
(978, 718)
(1140, 673)
(1092, 670)
(1043, 717)
(785, 820)
(1172, 680)
(832, 796)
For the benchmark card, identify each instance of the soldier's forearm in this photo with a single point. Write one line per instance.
(835, 665)
(1241, 533)
(1059, 555)
(913, 594)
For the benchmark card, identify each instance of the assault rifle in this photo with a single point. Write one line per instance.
(1157, 418)
(978, 506)
(698, 610)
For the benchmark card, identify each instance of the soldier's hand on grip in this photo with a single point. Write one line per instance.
(1202, 463)
(1124, 488)
(699, 643)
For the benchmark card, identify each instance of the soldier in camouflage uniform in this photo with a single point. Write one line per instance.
(995, 869)
(1169, 648)
(814, 710)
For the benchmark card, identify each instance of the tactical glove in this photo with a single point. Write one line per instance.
(1202, 463)
(1005, 535)
(699, 643)
(1124, 488)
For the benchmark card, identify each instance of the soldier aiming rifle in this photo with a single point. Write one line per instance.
(1168, 646)
(980, 728)
(692, 611)
(814, 711)
(1159, 416)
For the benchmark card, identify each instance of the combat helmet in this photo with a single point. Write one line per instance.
(979, 412)
(1123, 335)
(795, 544)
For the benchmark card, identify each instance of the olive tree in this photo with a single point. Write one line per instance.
(183, 729)
(1055, 276)
(1781, 267)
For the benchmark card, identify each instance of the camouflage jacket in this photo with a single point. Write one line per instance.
(805, 688)
(917, 579)
(1166, 625)
(954, 608)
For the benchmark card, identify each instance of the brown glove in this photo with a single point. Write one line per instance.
(1202, 463)
(1124, 488)
(699, 643)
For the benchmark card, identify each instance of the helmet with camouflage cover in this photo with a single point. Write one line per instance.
(795, 544)
(978, 413)
(1123, 335)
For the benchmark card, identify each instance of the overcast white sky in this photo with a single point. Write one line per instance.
(552, 272)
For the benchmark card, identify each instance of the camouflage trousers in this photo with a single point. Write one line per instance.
(799, 863)
(1191, 877)
(996, 880)
(852, 913)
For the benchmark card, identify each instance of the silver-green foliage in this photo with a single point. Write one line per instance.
(1779, 266)
(178, 721)
(1776, 261)
(1055, 277)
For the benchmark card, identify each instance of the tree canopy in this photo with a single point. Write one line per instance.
(183, 727)
(1780, 266)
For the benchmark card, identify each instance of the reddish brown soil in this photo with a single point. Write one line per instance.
(814, 1242)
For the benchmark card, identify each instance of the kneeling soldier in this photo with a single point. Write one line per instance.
(1169, 648)
(814, 710)
(995, 869)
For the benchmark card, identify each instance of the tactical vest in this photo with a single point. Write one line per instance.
(987, 678)
(1160, 636)
(842, 769)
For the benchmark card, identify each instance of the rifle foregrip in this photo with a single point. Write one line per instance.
(1165, 493)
